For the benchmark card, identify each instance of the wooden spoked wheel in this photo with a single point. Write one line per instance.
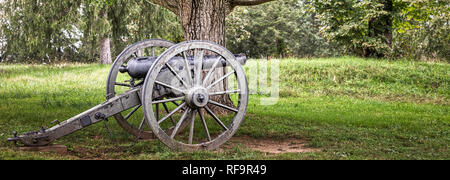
(133, 120)
(193, 87)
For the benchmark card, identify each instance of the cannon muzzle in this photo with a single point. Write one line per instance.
(138, 67)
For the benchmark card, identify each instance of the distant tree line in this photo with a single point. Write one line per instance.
(78, 31)
(417, 29)
(82, 31)
(414, 29)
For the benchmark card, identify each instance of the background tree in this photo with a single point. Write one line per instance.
(422, 30)
(380, 27)
(39, 31)
(147, 20)
(114, 24)
(416, 29)
(362, 27)
(51, 31)
(99, 10)
(284, 29)
(2, 37)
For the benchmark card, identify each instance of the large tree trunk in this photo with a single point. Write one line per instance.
(105, 42)
(205, 20)
(105, 51)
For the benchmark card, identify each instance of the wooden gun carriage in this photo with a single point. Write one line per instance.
(166, 93)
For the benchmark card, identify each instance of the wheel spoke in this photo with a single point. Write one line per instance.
(211, 71)
(132, 112)
(169, 86)
(204, 124)
(157, 112)
(168, 100)
(216, 118)
(188, 70)
(140, 52)
(223, 106)
(141, 126)
(177, 75)
(198, 63)
(131, 121)
(168, 106)
(191, 132)
(222, 78)
(179, 123)
(171, 113)
(174, 102)
(167, 111)
(225, 92)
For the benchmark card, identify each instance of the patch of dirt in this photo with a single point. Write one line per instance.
(4, 72)
(265, 145)
(270, 145)
(96, 153)
(55, 148)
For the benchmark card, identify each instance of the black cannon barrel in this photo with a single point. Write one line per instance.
(138, 67)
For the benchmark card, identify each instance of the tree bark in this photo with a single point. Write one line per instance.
(105, 42)
(203, 20)
(105, 51)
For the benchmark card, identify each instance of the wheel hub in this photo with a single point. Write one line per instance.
(197, 97)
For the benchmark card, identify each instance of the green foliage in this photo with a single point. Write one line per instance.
(146, 20)
(348, 24)
(279, 29)
(49, 31)
(423, 30)
(126, 23)
(66, 30)
(417, 29)
(38, 31)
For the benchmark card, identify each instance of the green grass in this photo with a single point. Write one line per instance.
(349, 108)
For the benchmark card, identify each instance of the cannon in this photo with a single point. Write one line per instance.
(159, 96)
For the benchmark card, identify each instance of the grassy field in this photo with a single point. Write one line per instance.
(347, 108)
